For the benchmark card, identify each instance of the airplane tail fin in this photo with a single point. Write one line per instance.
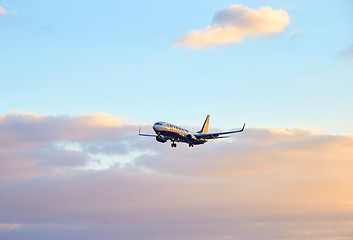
(204, 128)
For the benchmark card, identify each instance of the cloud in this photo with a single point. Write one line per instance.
(258, 151)
(235, 23)
(33, 145)
(2, 11)
(295, 32)
(23, 130)
(266, 183)
(9, 226)
(347, 53)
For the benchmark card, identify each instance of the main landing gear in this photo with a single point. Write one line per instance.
(173, 145)
(191, 145)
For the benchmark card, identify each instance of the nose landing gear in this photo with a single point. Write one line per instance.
(191, 145)
(173, 145)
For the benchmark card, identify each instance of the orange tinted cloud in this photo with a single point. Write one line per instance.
(9, 226)
(99, 119)
(266, 183)
(26, 130)
(35, 145)
(235, 23)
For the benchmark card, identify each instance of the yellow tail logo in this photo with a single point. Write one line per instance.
(204, 128)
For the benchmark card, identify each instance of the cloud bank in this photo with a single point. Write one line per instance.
(235, 23)
(266, 183)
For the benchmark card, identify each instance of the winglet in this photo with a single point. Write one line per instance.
(243, 127)
(140, 131)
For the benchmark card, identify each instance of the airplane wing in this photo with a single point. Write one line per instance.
(146, 135)
(217, 135)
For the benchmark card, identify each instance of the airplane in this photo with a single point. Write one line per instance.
(166, 131)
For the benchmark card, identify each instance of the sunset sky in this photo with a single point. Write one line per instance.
(79, 77)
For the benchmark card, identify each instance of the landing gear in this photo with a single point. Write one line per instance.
(191, 145)
(173, 145)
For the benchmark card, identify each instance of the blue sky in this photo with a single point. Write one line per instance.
(117, 57)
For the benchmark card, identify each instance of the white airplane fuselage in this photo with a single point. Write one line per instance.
(166, 130)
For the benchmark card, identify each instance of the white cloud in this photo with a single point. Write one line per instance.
(235, 23)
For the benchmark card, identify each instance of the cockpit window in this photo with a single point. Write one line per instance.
(158, 123)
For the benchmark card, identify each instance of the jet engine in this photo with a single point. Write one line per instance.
(161, 139)
(190, 137)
